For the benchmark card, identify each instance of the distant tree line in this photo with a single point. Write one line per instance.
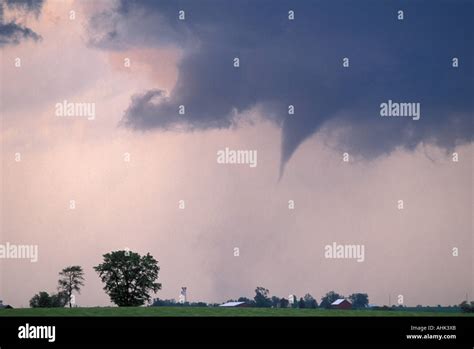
(262, 299)
(157, 302)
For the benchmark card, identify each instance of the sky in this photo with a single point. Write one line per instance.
(128, 167)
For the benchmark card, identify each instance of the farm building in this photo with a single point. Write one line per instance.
(341, 304)
(234, 305)
(5, 306)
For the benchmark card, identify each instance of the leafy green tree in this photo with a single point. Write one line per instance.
(261, 298)
(301, 303)
(129, 277)
(59, 300)
(284, 303)
(275, 302)
(44, 300)
(359, 300)
(329, 298)
(295, 302)
(248, 301)
(70, 280)
(41, 300)
(310, 302)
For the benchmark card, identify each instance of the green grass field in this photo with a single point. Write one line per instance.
(198, 311)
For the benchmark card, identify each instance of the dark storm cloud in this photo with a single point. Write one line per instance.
(11, 32)
(300, 63)
(26, 5)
